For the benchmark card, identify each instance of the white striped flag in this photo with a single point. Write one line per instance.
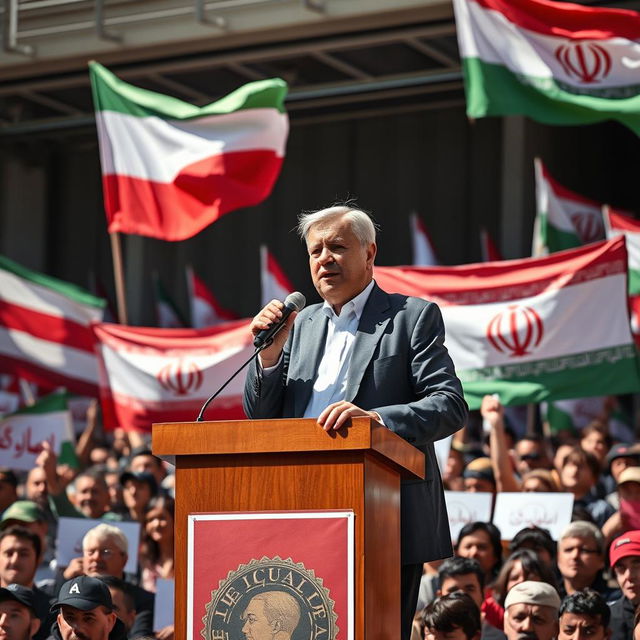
(490, 252)
(170, 169)
(423, 251)
(45, 329)
(534, 329)
(556, 62)
(620, 223)
(168, 315)
(206, 311)
(275, 284)
(165, 375)
(564, 219)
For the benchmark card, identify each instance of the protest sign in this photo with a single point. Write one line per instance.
(464, 507)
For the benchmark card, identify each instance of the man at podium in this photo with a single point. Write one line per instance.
(365, 352)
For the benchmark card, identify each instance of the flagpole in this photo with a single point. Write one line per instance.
(118, 275)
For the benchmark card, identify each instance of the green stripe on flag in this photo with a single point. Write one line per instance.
(603, 372)
(112, 94)
(556, 239)
(559, 420)
(65, 288)
(493, 90)
(634, 282)
(56, 401)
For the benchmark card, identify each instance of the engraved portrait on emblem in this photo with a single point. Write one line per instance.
(242, 586)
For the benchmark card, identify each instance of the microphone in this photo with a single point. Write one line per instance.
(294, 302)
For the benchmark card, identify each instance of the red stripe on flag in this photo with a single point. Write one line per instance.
(622, 222)
(132, 415)
(46, 327)
(47, 378)
(276, 271)
(567, 20)
(563, 192)
(198, 196)
(488, 282)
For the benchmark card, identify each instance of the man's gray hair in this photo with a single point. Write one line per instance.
(280, 606)
(107, 532)
(584, 529)
(361, 223)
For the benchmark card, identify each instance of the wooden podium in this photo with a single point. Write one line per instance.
(292, 464)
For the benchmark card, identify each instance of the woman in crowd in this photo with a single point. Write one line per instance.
(156, 554)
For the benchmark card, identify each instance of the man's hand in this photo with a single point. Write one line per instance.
(75, 569)
(265, 318)
(47, 461)
(337, 414)
(492, 411)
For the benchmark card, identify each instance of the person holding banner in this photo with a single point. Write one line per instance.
(365, 352)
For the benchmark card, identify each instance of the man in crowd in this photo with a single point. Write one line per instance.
(367, 353)
(8, 488)
(462, 574)
(85, 612)
(531, 453)
(531, 611)
(481, 541)
(478, 476)
(624, 556)
(584, 615)
(143, 460)
(18, 619)
(581, 559)
(452, 617)
(620, 457)
(20, 552)
(138, 487)
(124, 605)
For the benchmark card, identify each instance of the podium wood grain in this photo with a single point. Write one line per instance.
(267, 465)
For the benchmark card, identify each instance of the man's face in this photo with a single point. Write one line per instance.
(618, 465)
(530, 456)
(103, 558)
(576, 478)
(146, 462)
(136, 494)
(456, 634)
(92, 498)
(256, 626)
(340, 266)
(580, 626)
(76, 624)
(530, 622)
(627, 572)
(477, 545)
(36, 486)
(18, 561)
(479, 485)
(467, 583)
(16, 621)
(579, 557)
(120, 608)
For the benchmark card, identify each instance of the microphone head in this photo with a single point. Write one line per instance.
(295, 301)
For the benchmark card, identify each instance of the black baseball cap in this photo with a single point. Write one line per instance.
(140, 476)
(623, 450)
(20, 594)
(84, 593)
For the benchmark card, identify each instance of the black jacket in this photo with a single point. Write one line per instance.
(622, 612)
(117, 633)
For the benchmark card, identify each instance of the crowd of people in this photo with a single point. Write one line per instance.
(584, 585)
(117, 480)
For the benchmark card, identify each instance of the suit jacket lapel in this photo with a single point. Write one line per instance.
(373, 321)
(314, 337)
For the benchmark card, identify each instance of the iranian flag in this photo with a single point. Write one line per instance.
(622, 224)
(565, 219)
(423, 251)
(170, 169)
(165, 375)
(45, 329)
(535, 329)
(206, 311)
(275, 284)
(22, 433)
(556, 62)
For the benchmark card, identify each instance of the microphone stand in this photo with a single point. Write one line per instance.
(217, 393)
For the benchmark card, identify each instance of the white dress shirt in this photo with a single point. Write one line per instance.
(331, 382)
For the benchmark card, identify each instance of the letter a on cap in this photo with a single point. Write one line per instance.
(74, 588)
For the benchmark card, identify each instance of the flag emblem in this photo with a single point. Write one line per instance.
(585, 61)
(180, 377)
(516, 330)
(588, 224)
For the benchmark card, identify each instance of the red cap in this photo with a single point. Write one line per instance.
(628, 544)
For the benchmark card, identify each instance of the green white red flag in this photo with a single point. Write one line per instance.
(556, 62)
(564, 219)
(170, 169)
(22, 433)
(45, 329)
(517, 327)
(275, 284)
(165, 375)
(617, 224)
